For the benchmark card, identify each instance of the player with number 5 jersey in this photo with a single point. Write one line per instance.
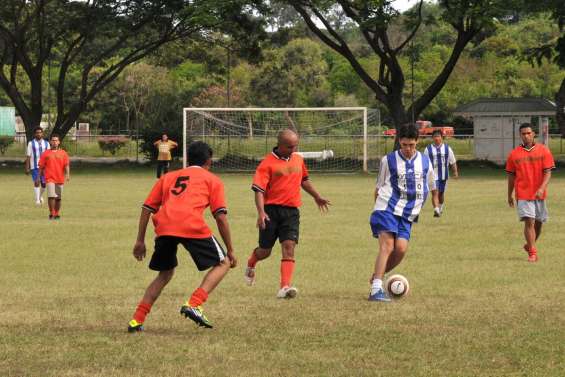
(177, 202)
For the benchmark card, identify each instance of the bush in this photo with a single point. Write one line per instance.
(112, 144)
(5, 142)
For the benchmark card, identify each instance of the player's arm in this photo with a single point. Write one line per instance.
(139, 247)
(174, 144)
(156, 143)
(511, 180)
(544, 183)
(28, 159)
(320, 202)
(68, 172)
(224, 229)
(453, 163)
(381, 179)
(432, 184)
(262, 217)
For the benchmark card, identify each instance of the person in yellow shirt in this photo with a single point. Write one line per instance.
(164, 147)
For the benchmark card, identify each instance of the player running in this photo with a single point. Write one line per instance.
(405, 179)
(529, 169)
(35, 148)
(54, 166)
(277, 184)
(442, 157)
(177, 202)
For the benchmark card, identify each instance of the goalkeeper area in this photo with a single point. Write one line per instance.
(331, 139)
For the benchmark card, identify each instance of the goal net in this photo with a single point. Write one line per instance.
(331, 139)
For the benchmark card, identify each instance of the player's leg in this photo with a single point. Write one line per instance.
(386, 247)
(267, 239)
(165, 167)
(159, 167)
(441, 198)
(163, 260)
(58, 201)
(207, 254)
(438, 207)
(537, 227)
(36, 186)
(51, 199)
(530, 236)
(289, 229)
(400, 249)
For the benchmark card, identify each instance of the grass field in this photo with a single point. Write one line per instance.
(476, 307)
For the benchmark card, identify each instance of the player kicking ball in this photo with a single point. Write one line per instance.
(177, 202)
(405, 179)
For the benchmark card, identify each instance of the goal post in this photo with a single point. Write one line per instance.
(331, 138)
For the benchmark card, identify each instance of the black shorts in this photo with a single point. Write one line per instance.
(206, 252)
(284, 225)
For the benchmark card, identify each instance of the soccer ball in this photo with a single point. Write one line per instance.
(397, 286)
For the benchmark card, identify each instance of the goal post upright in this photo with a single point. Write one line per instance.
(365, 152)
(184, 151)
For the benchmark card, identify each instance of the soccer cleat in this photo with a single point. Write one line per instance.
(250, 275)
(56, 217)
(37, 203)
(50, 217)
(436, 213)
(379, 295)
(134, 326)
(287, 292)
(196, 314)
(532, 256)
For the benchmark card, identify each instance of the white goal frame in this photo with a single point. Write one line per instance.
(272, 109)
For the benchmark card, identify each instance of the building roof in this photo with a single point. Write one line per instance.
(507, 106)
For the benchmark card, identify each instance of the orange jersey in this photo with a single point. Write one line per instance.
(280, 179)
(54, 161)
(178, 201)
(529, 165)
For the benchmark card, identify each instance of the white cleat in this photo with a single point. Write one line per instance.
(41, 200)
(38, 203)
(250, 276)
(287, 292)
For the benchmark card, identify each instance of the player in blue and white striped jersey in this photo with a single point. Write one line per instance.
(405, 180)
(442, 157)
(35, 149)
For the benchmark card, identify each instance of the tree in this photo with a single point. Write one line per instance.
(554, 50)
(379, 25)
(91, 42)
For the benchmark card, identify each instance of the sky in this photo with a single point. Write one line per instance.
(403, 5)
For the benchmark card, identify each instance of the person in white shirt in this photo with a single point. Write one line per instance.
(35, 148)
(442, 157)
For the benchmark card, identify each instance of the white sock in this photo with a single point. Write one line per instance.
(436, 210)
(37, 192)
(376, 286)
(441, 207)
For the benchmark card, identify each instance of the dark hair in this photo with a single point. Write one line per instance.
(198, 153)
(437, 132)
(37, 129)
(54, 135)
(408, 131)
(526, 125)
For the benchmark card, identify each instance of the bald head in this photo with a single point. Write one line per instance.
(287, 143)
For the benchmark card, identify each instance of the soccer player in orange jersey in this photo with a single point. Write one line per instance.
(277, 184)
(177, 202)
(54, 165)
(529, 169)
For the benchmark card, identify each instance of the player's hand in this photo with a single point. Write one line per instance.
(511, 201)
(68, 178)
(139, 250)
(27, 171)
(262, 220)
(539, 193)
(322, 204)
(232, 259)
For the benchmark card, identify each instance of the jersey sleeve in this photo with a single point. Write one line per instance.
(510, 166)
(217, 198)
(548, 162)
(155, 198)
(451, 156)
(383, 173)
(261, 178)
(304, 171)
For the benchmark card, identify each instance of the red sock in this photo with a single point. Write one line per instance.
(199, 296)
(141, 312)
(252, 261)
(287, 268)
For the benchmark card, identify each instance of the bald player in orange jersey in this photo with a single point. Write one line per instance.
(277, 183)
(177, 202)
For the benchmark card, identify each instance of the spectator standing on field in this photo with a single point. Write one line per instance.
(164, 147)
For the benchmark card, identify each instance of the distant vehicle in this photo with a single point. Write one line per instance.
(426, 128)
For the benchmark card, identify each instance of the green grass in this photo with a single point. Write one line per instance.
(476, 306)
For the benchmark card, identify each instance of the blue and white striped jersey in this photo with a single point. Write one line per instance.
(441, 157)
(35, 149)
(403, 185)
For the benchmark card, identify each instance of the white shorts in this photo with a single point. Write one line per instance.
(533, 209)
(54, 190)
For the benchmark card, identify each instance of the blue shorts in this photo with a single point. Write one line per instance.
(35, 174)
(441, 184)
(384, 221)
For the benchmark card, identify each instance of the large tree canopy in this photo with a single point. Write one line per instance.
(379, 24)
(89, 43)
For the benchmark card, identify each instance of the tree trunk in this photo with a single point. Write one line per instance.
(560, 113)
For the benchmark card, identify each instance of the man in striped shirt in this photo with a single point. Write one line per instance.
(405, 178)
(35, 148)
(442, 157)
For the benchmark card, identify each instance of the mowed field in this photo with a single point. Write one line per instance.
(476, 308)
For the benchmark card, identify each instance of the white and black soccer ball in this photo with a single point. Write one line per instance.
(397, 286)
